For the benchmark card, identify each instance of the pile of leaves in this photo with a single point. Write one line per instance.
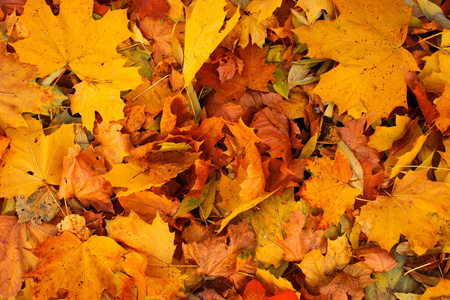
(163, 149)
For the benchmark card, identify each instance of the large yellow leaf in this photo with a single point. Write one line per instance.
(71, 38)
(404, 211)
(100, 90)
(154, 242)
(83, 269)
(366, 40)
(204, 33)
(34, 159)
(17, 93)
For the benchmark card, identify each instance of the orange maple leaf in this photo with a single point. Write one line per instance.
(328, 187)
(81, 178)
(83, 269)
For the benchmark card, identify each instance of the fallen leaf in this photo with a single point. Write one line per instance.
(372, 35)
(15, 241)
(263, 9)
(139, 286)
(273, 284)
(152, 8)
(104, 84)
(204, 33)
(404, 210)
(328, 187)
(313, 9)
(441, 291)
(140, 236)
(318, 269)
(266, 224)
(299, 241)
(17, 93)
(83, 269)
(42, 205)
(71, 38)
(384, 137)
(81, 178)
(273, 129)
(376, 258)
(159, 33)
(34, 159)
(217, 256)
(114, 145)
(147, 205)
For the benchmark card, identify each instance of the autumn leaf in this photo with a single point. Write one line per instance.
(102, 83)
(435, 79)
(263, 9)
(147, 205)
(114, 145)
(255, 75)
(17, 93)
(68, 40)
(160, 36)
(217, 256)
(376, 258)
(384, 137)
(328, 187)
(440, 291)
(81, 178)
(366, 40)
(42, 205)
(83, 269)
(34, 159)
(299, 241)
(319, 269)
(203, 34)
(15, 241)
(136, 285)
(136, 234)
(71, 38)
(266, 224)
(404, 211)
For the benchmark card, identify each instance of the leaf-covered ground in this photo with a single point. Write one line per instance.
(224, 149)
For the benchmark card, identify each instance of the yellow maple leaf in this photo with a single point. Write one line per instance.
(17, 93)
(155, 242)
(366, 40)
(204, 33)
(34, 159)
(100, 90)
(71, 38)
(87, 47)
(83, 269)
(404, 211)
